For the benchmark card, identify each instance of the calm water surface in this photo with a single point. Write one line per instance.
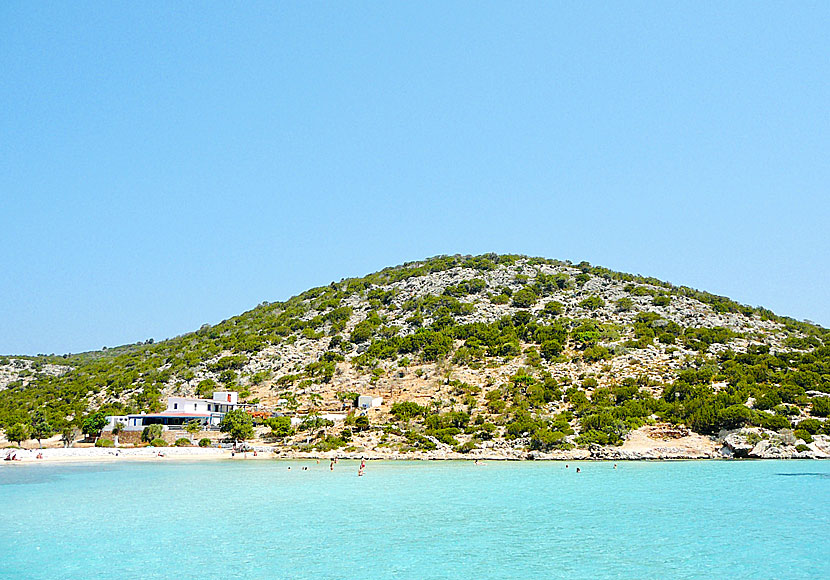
(763, 519)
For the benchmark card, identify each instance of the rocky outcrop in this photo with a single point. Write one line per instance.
(756, 443)
(735, 445)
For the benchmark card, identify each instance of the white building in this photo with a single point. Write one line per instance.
(369, 401)
(182, 410)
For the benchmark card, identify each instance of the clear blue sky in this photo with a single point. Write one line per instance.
(163, 165)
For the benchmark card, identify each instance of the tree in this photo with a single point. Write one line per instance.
(41, 429)
(280, 426)
(238, 424)
(152, 432)
(17, 433)
(117, 428)
(68, 434)
(361, 423)
(192, 428)
(94, 424)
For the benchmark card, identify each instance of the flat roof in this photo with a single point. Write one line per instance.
(171, 415)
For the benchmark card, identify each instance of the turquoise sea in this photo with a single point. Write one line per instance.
(258, 519)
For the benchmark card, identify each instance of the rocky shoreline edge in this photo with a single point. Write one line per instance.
(751, 443)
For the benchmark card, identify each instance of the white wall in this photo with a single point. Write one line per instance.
(186, 405)
(226, 397)
(368, 401)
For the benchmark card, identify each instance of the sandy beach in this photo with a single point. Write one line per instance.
(84, 454)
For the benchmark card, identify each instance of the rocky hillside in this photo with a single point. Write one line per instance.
(496, 354)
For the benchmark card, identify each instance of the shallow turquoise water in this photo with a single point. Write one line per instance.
(764, 519)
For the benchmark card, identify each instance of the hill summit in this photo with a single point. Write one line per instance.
(491, 356)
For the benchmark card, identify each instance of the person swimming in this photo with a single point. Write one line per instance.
(578, 470)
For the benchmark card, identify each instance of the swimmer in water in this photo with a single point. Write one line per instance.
(578, 470)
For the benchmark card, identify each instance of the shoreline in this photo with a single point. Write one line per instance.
(97, 454)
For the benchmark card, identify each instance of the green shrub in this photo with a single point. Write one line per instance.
(419, 441)
(407, 410)
(544, 439)
(466, 447)
(592, 303)
(773, 422)
(801, 448)
(182, 442)
(104, 443)
(158, 442)
(205, 442)
(550, 349)
(821, 406)
(524, 298)
(280, 426)
(596, 353)
(330, 443)
(151, 432)
(811, 426)
(500, 299)
(802, 434)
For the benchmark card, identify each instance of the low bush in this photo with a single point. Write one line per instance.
(158, 442)
(801, 448)
(205, 442)
(802, 434)
(104, 443)
(419, 441)
(811, 426)
(466, 447)
(182, 442)
(821, 406)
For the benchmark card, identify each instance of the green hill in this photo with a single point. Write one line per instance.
(465, 350)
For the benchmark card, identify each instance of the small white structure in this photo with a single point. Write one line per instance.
(369, 401)
(182, 410)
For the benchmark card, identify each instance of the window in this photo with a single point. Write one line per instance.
(175, 405)
(195, 406)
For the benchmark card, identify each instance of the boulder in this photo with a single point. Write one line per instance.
(736, 445)
(767, 450)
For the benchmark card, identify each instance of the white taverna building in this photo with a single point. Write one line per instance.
(182, 410)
